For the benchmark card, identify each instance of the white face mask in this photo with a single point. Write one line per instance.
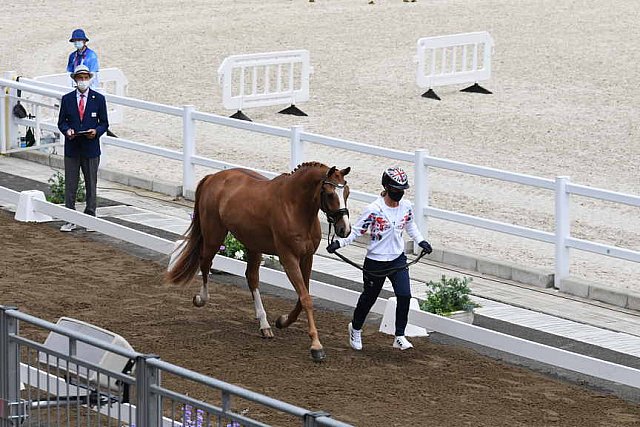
(83, 84)
(78, 44)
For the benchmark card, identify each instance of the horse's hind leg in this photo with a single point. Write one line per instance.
(210, 247)
(253, 280)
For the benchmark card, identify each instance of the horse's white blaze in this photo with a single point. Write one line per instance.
(343, 205)
(261, 315)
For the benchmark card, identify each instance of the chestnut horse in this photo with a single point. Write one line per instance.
(275, 217)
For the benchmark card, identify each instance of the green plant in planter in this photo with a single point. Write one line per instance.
(448, 295)
(233, 248)
(56, 188)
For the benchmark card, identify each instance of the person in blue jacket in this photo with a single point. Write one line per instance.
(82, 120)
(82, 55)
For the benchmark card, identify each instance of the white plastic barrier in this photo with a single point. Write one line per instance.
(25, 211)
(388, 323)
(454, 59)
(265, 79)
(112, 81)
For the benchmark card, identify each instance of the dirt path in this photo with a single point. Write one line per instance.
(49, 275)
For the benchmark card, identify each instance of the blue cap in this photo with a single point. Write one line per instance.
(78, 35)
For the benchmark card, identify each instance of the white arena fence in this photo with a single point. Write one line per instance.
(265, 79)
(41, 209)
(454, 59)
(561, 238)
(45, 109)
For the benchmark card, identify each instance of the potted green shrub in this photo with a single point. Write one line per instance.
(56, 189)
(233, 248)
(450, 297)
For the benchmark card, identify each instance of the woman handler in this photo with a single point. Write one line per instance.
(385, 219)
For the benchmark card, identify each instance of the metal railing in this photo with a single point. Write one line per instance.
(561, 237)
(70, 390)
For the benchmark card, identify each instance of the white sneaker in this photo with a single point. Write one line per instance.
(68, 227)
(355, 338)
(402, 343)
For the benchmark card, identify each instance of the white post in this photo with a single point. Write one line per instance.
(4, 119)
(421, 193)
(37, 129)
(563, 231)
(297, 147)
(12, 136)
(104, 152)
(188, 150)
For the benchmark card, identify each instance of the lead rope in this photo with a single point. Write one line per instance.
(377, 273)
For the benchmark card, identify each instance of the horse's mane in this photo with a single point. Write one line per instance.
(300, 168)
(306, 165)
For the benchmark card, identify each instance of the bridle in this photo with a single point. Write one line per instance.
(332, 217)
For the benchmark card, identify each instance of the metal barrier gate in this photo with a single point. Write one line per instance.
(66, 381)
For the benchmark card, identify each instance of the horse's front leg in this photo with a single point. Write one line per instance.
(253, 280)
(305, 268)
(292, 266)
(286, 320)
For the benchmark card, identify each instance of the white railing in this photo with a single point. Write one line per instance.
(454, 59)
(563, 189)
(431, 322)
(45, 106)
(112, 80)
(265, 79)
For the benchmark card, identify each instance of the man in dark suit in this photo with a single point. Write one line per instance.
(82, 120)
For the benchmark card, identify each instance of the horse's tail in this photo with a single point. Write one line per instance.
(188, 262)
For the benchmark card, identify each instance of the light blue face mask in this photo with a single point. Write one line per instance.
(78, 44)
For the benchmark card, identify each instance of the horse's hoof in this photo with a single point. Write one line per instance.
(266, 333)
(318, 355)
(198, 301)
(281, 321)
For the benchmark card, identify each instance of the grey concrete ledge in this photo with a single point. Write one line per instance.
(598, 292)
(146, 183)
(575, 287)
(633, 303)
(499, 269)
(53, 160)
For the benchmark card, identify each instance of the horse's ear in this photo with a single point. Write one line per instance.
(346, 171)
(331, 171)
